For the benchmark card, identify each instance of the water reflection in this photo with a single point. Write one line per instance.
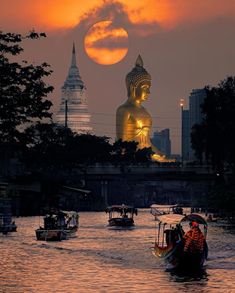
(188, 276)
(108, 260)
(229, 229)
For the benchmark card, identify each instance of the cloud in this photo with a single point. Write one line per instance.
(105, 34)
(44, 14)
(63, 14)
(120, 17)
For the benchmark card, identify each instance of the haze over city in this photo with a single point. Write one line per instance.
(184, 45)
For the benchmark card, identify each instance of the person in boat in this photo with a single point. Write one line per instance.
(61, 220)
(194, 240)
(72, 221)
(49, 222)
(124, 216)
(178, 210)
(170, 236)
(174, 234)
(210, 218)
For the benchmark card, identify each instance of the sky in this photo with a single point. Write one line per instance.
(185, 45)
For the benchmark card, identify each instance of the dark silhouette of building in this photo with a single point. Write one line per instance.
(189, 118)
(161, 139)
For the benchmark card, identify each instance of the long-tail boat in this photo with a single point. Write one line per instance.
(58, 226)
(173, 244)
(121, 215)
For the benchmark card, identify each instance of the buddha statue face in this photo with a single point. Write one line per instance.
(142, 92)
(138, 82)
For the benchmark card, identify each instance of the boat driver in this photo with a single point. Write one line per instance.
(194, 239)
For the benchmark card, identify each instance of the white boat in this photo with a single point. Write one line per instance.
(71, 224)
(157, 210)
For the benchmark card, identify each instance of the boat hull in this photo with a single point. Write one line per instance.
(69, 233)
(50, 235)
(177, 258)
(4, 229)
(121, 222)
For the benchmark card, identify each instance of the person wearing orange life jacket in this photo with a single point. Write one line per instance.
(194, 240)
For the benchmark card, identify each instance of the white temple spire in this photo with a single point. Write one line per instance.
(73, 110)
(73, 61)
(73, 78)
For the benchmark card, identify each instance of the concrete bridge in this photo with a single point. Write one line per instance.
(140, 185)
(144, 185)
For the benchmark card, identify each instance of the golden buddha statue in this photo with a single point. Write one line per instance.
(133, 121)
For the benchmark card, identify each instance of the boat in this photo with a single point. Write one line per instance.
(58, 226)
(211, 218)
(71, 224)
(173, 244)
(7, 225)
(121, 215)
(157, 210)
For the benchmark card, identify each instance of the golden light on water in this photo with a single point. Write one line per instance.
(105, 43)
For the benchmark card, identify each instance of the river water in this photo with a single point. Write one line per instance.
(103, 259)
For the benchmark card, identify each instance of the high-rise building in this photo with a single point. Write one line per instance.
(196, 99)
(161, 140)
(185, 135)
(73, 112)
(191, 117)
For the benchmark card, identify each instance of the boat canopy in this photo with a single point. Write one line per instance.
(177, 219)
(70, 213)
(121, 209)
(77, 189)
(56, 211)
(196, 218)
(171, 219)
(160, 207)
(157, 209)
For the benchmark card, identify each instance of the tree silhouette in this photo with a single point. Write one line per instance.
(124, 151)
(57, 147)
(214, 138)
(214, 141)
(46, 148)
(198, 141)
(89, 149)
(144, 155)
(22, 89)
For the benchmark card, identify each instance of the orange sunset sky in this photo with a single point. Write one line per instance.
(185, 44)
(57, 14)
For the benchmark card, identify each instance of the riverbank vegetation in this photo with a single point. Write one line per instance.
(214, 142)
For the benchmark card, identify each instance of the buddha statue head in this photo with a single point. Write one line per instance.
(138, 81)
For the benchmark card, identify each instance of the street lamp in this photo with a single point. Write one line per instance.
(182, 104)
(182, 127)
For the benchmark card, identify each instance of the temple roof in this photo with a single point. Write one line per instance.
(73, 80)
